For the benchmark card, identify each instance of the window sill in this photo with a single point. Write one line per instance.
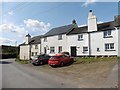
(108, 37)
(85, 52)
(110, 50)
(80, 39)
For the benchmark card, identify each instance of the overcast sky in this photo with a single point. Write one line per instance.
(36, 18)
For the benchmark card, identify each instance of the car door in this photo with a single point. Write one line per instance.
(46, 58)
(65, 58)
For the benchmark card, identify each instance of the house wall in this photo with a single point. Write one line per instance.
(98, 41)
(72, 40)
(33, 49)
(25, 52)
(52, 41)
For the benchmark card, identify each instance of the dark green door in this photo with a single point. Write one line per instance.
(73, 51)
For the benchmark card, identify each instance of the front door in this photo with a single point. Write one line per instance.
(45, 50)
(73, 51)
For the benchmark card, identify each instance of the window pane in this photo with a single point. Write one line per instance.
(32, 53)
(109, 32)
(112, 46)
(80, 37)
(36, 46)
(85, 49)
(52, 49)
(105, 33)
(35, 53)
(59, 37)
(45, 39)
(59, 49)
(106, 46)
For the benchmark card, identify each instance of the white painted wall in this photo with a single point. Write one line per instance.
(92, 22)
(97, 41)
(72, 40)
(118, 42)
(52, 41)
(25, 52)
(36, 50)
(27, 40)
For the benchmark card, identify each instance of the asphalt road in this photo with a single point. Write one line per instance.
(15, 75)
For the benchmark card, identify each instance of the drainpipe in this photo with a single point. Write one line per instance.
(30, 52)
(89, 44)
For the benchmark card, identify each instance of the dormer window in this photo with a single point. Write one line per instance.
(80, 37)
(59, 37)
(45, 39)
(107, 34)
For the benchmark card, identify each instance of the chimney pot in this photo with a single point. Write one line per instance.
(90, 11)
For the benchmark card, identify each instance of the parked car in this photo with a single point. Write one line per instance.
(60, 60)
(40, 59)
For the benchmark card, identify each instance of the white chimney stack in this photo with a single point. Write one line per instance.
(28, 37)
(92, 22)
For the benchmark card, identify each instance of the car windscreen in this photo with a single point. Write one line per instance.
(36, 56)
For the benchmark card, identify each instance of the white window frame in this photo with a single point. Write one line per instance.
(107, 34)
(36, 46)
(60, 37)
(109, 46)
(59, 49)
(80, 37)
(85, 49)
(45, 39)
(52, 49)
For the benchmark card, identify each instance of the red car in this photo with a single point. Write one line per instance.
(60, 60)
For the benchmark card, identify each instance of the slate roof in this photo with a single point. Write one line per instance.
(34, 40)
(101, 27)
(60, 30)
(78, 30)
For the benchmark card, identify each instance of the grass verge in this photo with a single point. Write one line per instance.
(22, 61)
(79, 60)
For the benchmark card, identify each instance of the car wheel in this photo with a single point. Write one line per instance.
(34, 64)
(53, 66)
(41, 62)
(62, 64)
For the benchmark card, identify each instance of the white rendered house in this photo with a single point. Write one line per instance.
(95, 39)
(55, 41)
(91, 40)
(31, 47)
